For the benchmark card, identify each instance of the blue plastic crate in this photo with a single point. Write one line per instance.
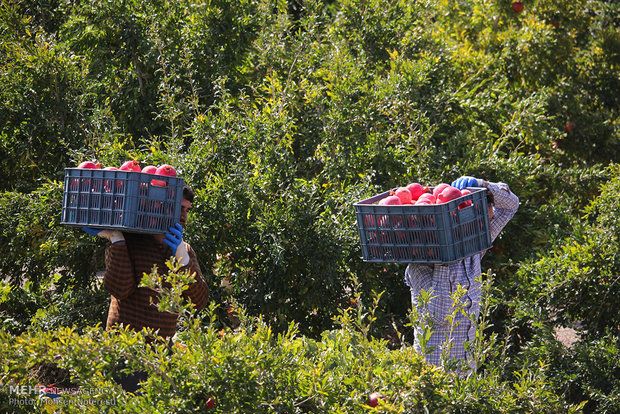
(436, 233)
(121, 200)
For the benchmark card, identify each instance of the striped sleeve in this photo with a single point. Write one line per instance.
(119, 278)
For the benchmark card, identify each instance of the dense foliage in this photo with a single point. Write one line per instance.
(281, 115)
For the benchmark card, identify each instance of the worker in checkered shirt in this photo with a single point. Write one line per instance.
(437, 298)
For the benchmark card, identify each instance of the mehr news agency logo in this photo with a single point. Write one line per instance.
(37, 395)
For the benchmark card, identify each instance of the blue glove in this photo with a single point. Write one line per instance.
(174, 239)
(113, 235)
(467, 181)
(92, 232)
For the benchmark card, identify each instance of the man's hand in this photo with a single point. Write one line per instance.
(174, 239)
(467, 181)
(113, 235)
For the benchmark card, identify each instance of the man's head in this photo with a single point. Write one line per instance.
(490, 204)
(186, 204)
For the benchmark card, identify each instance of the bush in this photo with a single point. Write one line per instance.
(252, 369)
(281, 116)
(577, 281)
(44, 106)
(589, 371)
(45, 266)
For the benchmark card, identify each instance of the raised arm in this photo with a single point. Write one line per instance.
(506, 204)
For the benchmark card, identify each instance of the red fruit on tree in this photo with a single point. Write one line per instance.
(89, 165)
(373, 399)
(391, 200)
(554, 23)
(570, 126)
(439, 188)
(517, 6)
(404, 194)
(448, 193)
(131, 166)
(210, 402)
(416, 190)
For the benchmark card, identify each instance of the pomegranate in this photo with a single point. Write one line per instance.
(166, 169)
(517, 6)
(391, 200)
(570, 126)
(131, 166)
(90, 165)
(426, 197)
(404, 194)
(83, 184)
(108, 184)
(439, 188)
(210, 402)
(369, 220)
(465, 203)
(416, 190)
(373, 399)
(449, 193)
(150, 169)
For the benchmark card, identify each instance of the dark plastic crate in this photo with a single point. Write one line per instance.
(128, 201)
(437, 233)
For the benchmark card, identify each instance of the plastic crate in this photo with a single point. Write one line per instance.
(437, 233)
(121, 200)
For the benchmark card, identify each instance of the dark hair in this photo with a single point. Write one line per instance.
(188, 193)
(490, 198)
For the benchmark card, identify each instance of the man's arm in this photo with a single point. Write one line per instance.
(505, 206)
(505, 203)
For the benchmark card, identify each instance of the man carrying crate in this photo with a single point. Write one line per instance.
(128, 257)
(447, 296)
